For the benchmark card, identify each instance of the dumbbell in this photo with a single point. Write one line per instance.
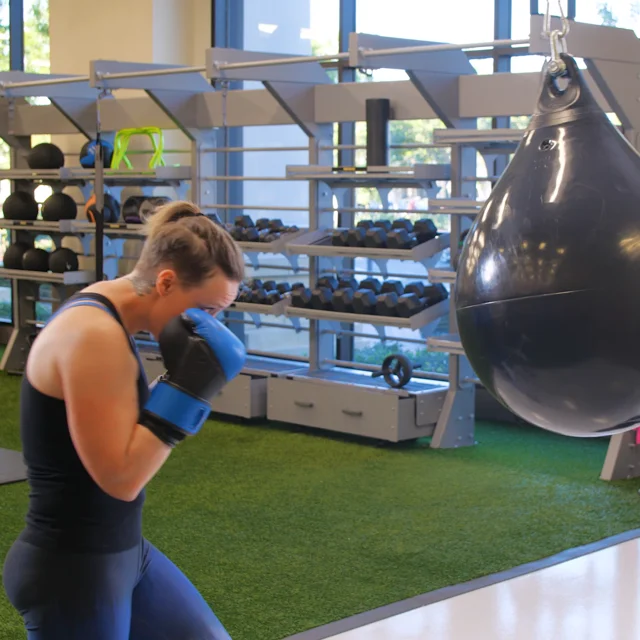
(265, 296)
(275, 225)
(424, 230)
(348, 283)
(330, 282)
(321, 299)
(410, 303)
(416, 287)
(301, 297)
(355, 237)
(392, 286)
(250, 234)
(400, 238)
(387, 304)
(283, 287)
(371, 283)
(243, 221)
(342, 300)
(364, 301)
(376, 237)
(402, 223)
(245, 295)
(435, 293)
(297, 285)
(365, 224)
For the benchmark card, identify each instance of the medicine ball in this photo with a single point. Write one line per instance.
(59, 206)
(13, 255)
(45, 156)
(20, 205)
(88, 154)
(35, 260)
(111, 209)
(62, 260)
(131, 209)
(149, 206)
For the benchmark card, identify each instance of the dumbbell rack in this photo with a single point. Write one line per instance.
(298, 92)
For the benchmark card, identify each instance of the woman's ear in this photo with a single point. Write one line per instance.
(166, 282)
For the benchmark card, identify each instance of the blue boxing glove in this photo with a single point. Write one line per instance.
(201, 355)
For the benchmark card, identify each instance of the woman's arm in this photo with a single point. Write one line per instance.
(99, 374)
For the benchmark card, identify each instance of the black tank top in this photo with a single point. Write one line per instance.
(67, 509)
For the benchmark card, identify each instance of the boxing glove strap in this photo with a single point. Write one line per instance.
(176, 407)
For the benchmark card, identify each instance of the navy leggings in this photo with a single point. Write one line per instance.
(137, 594)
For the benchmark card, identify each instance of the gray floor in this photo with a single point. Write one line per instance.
(12, 468)
(363, 626)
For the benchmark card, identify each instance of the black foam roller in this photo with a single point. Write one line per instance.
(377, 116)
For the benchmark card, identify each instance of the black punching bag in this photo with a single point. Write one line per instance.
(546, 293)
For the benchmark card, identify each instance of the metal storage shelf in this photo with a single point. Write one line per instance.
(442, 276)
(69, 277)
(161, 176)
(418, 175)
(415, 322)
(318, 243)
(484, 140)
(277, 309)
(71, 227)
(449, 343)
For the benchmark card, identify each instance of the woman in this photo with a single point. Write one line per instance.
(93, 436)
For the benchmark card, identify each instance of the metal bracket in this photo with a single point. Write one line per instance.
(456, 423)
(623, 458)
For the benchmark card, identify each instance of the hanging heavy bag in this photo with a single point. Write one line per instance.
(545, 294)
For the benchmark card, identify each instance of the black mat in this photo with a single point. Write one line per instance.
(12, 467)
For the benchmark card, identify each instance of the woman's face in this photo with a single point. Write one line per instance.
(213, 295)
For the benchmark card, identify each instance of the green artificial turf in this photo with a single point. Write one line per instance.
(283, 530)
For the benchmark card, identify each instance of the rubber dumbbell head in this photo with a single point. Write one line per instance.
(275, 224)
(246, 295)
(301, 297)
(371, 283)
(321, 299)
(409, 304)
(339, 237)
(365, 224)
(348, 283)
(383, 224)
(342, 300)
(262, 223)
(364, 301)
(355, 237)
(387, 304)
(435, 293)
(402, 223)
(237, 233)
(283, 287)
(255, 283)
(257, 294)
(416, 287)
(243, 221)
(269, 285)
(375, 238)
(401, 239)
(330, 282)
(392, 286)
(297, 285)
(425, 230)
(250, 234)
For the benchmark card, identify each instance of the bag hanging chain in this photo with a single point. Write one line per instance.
(557, 39)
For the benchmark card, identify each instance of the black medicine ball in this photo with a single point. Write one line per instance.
(35, 260)
(45, 156)
(20, 205)
(62, 260)
(13, 255)
(59, 206)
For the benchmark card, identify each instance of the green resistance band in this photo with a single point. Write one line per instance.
(121, 144)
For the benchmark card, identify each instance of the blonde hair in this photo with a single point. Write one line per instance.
(179, 235)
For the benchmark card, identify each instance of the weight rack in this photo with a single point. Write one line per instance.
(321, 391)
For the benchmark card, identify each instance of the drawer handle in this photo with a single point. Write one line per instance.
(354, 414)
(304, 405)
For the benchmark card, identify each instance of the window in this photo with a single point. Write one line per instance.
(459, 21)
(614, 13)
(302, 27)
